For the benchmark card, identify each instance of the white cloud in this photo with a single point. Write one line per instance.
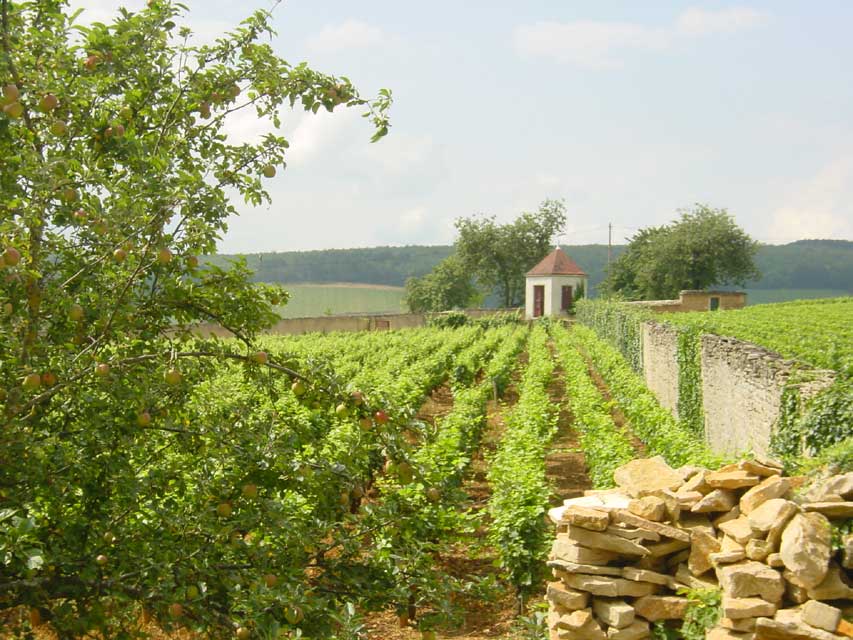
(821, 207)
(586, 43)
(595, 44)
(323, 132)
(696, 21)
(350, 34)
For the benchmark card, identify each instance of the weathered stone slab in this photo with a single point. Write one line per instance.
(645, 575)
(609, 587)
(688, 499)
(742, 624)
(637, 630)
(643, 477)
(767, 629)
(575, 620)
(847, 551)
(632, 533)
(716, 500)
(768, 489)
(738, 529)
(560, 595)
(589, 569)
(758, 549)
(833, 586)
(690, 522)
(730, 544)
(841, 485)
(821, 615)
(569, 551)
(696, 482)
(596, 540)
(734, 514)
(739, 608)
(586, 517)
(614, 613)
(702, 546)
(630, 519)
(772, 514)
(751, 578)
(806, 547)
(684, 577)
(594, 499)
(660, 549)
(654, 608)
(737, 479)
(648, 507)
(831, 509)
(764, 467)
(672, 502)
(727, 557)
(775, 561)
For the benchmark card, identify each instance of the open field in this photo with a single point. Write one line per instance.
(765, 296)
(310, 300)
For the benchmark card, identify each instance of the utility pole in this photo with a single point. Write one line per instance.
(609, 243)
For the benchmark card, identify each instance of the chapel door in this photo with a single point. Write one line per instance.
(566, 299)
(538, 300)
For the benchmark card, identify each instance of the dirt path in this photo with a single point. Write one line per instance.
(565, 464)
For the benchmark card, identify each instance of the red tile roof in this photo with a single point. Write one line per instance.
(557, 263)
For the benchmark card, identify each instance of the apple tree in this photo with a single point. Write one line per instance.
(119, 498)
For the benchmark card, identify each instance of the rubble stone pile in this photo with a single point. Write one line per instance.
(765, 540)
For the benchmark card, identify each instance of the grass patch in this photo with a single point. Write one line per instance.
(311, 300)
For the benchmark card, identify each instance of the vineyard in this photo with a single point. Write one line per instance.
(156, 483)
(291, 491)
(810, 333)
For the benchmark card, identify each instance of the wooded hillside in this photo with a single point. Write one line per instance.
(805, 264)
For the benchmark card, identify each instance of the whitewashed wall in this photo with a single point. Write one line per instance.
(553, 288)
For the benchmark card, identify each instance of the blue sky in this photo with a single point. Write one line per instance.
(627, 112)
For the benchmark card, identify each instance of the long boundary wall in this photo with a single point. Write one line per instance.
(354, 322)
(660, 362)
(742, 386)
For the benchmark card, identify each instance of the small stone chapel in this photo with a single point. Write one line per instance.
(552, 285)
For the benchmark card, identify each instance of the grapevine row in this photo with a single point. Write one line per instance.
(653, 424)
(605, 445)
(520, 490)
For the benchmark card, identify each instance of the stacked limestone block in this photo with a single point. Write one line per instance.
(621, 555)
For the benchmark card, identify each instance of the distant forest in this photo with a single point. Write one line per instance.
(805, 264)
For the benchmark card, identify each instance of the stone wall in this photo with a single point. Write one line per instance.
(695, 300)
(353, 322)
(623, 557)
(660, 362)
(742, 385)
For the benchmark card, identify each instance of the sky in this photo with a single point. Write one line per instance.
(628, 113)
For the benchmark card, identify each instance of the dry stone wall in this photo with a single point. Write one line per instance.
(660, 363)
(621, 557)
(742, 386)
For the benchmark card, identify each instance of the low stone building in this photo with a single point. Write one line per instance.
(696, 300)
(553, 285)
